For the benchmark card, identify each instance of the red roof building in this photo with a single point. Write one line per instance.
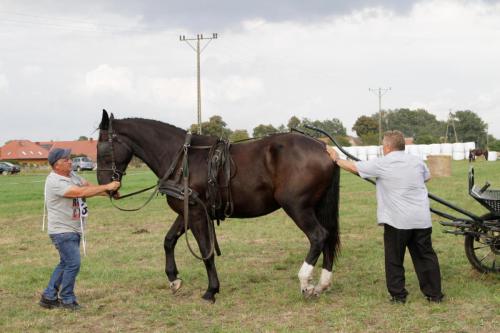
(24, 150)
(87, 147)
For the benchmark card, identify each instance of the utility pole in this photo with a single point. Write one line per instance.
(450, 119)
(198, 51)
(487, 136)
(380, 92)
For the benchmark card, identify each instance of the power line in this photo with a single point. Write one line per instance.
(380, 92)
(198, 51)
(68, 23)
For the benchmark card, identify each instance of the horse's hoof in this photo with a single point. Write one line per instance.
(209, 297)
(318, 290)
(308, 291)
(175, 285)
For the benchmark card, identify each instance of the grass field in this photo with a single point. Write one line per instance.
(123, 287)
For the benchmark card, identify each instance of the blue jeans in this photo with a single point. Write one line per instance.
(63, 278)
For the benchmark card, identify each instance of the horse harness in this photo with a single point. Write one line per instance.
(176, 184)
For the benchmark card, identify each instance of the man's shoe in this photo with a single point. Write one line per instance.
(48, 303)
(72, 306)
(398, 300)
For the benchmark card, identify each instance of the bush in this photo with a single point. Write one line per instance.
(494, 146)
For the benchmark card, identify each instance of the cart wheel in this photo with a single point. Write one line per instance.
(483, 252)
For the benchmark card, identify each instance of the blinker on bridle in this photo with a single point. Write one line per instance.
(117, 174)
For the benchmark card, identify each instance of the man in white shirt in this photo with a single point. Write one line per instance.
(64, 196)
(403, 210)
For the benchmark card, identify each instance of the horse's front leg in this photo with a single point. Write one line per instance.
(202, 233)
(175, 231)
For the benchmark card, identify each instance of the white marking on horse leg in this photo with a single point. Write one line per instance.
(305, 277)
(325, 281)
(175, 285)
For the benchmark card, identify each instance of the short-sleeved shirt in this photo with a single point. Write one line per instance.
(63, 214)
(402, 197)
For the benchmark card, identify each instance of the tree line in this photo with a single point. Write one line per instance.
(216, 126)
(424, 128)
(419, 124)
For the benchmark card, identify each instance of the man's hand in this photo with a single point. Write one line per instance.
(333, 153)
(113, 186)
(91, 190)
(344, 164)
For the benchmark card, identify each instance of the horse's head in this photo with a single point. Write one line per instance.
(113, 152)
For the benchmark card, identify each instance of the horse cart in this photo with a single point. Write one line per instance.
(482, 233)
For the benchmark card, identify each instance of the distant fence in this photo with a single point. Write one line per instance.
(458, 151)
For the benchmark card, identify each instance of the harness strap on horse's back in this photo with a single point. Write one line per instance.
(171, 187)
(187, 192)
(219, 162)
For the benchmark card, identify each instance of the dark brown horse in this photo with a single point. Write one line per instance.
(473, 153)
(291, 171)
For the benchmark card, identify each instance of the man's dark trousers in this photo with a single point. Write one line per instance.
(423, 256)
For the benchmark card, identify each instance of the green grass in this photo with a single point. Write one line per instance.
(123, 287)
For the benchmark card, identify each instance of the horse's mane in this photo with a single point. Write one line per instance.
(157, 122)
(199, 138)
(196, 139)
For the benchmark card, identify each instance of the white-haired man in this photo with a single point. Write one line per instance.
(403, 210)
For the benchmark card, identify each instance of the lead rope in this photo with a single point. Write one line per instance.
(84, 243)
(44, 206)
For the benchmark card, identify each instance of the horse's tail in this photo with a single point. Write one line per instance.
(327, 211)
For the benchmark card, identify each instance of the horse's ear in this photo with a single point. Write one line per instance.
(105, 120)
(112, 117)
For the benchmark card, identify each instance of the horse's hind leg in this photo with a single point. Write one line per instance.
(325, 279)
(173, 234)
(306, 220)
(201, 232)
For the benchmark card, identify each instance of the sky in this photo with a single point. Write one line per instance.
(62, 62)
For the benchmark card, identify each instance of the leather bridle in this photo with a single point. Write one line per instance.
(117, 174)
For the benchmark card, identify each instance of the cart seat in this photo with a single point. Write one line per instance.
(486, 197)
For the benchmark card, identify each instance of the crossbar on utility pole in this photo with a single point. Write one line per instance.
(380, 92)
(198, 51)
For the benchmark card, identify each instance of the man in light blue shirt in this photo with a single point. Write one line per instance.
(403, 210)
